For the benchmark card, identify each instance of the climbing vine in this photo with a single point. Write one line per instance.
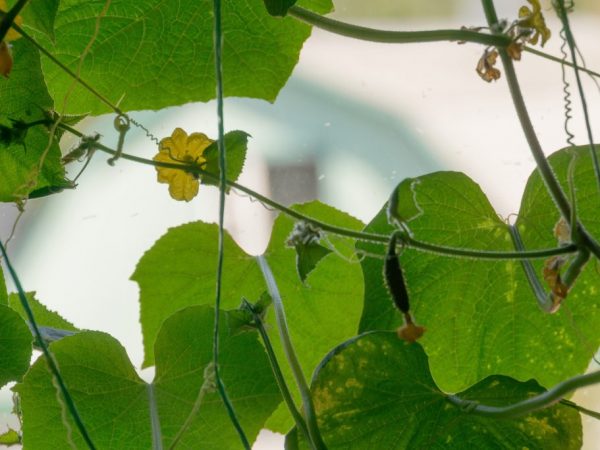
(454, 330)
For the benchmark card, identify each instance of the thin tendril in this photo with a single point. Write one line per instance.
(146, 130)
(567, 103)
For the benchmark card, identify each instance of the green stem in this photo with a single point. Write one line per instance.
(543, 166)
(218, 49)
(8, 18)
(543, 299)
(52, 364)
(560, 61)
(394, 37)
(279, 378)
(486, 254)
(288, 349)
(68, 71)
(581, 409)
(363, 236)
(530, 405)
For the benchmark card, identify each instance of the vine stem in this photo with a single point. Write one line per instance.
(409, 37)
(552, 185)
(530, 405)
(52, 364)
(407, 241)
(288, 349)
(218, 49)
(9, 17)
(394, 37)
(277, 373)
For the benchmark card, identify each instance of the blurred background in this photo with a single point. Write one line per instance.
(354, 120)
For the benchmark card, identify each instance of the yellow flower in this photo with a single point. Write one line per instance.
(12, 34)
(181, 148)
(534, 20)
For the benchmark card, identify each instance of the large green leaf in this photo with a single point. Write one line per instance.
(179, 271)
(15, 346)
(151, 54)
(375, 391)
(24, 98)
(122, 411)
(480, 315)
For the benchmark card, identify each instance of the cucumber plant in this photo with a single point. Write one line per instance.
(456, 330)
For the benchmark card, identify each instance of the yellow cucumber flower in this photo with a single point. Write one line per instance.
(183, 149)
(534, 20)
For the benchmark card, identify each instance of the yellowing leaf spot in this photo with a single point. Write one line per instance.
(540, 427)
(183, 149)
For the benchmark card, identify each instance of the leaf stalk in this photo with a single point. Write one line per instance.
(290, 353)
(530, 405)
(277, 373)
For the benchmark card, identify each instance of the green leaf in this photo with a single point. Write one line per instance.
(279, 7)
(119, 409)
(308, 256)
(480, 314)
(19, 165)
(151, 54)
(10, 437)
(25, 97)
(15, 346)
(179, 271)
(236, 144)
(24, 94)
(575, 338)
(40, 15)
(3, 291)
(43, 316)
(375, 391)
